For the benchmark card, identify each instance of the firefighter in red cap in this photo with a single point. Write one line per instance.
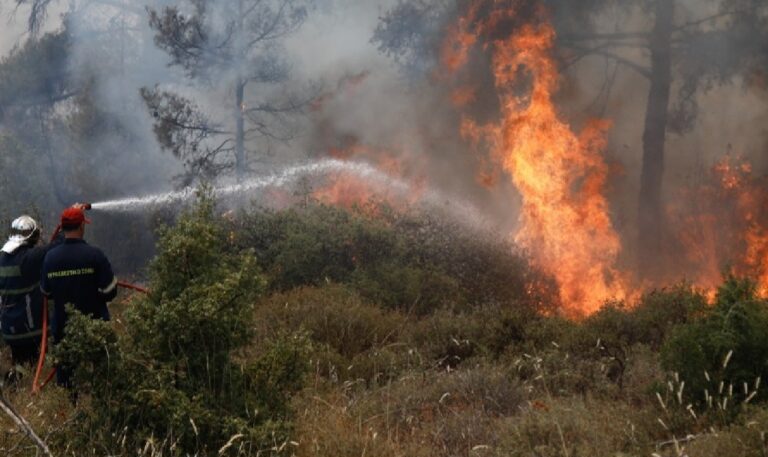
(21, 303)
(78, 274)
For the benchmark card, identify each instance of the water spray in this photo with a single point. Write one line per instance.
(279, 179)
(36, 384)
(290, 175)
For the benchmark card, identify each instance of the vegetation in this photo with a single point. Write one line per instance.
(246, 347)
(230, 45)
(320, 331)
(687, 50)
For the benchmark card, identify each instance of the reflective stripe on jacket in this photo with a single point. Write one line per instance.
(21, 302)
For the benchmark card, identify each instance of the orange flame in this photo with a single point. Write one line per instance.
(751, 201)
(459, 40)
(345, 190)
(349, 190)
(722, 223)
(561, 176)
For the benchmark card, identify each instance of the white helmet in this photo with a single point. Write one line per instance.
(23, 229)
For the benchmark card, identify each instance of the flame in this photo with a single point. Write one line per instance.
(454, 53)
(750, 201)
(349, 190)
(561, 176)
(733, 176)
(463, 96)
(345, 190)
(721, 223)
(559, 172)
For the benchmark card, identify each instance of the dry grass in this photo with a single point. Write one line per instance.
(381, 388)
(534, 405)
(50, 415)
(422, 413)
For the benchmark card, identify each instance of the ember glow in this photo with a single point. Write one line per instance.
(721, 225)
(497, 75)
(561, 175)
(349, 189)
(748, 197)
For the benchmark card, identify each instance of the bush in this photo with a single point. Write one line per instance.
(612, 334)
(745, 439)
(333, 316)
(180, 375)
(660, 311)
(577, 427)
(351, 338)
(413, 262)
(728, 344)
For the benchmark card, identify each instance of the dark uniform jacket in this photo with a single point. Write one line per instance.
(77, 273)
(21, 303)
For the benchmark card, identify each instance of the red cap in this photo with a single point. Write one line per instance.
(73, 216)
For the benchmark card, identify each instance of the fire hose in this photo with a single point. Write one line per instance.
(36, 385)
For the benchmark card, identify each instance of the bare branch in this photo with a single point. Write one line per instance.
(600, 51)
(24, 426)
(605, 36)
(267, 34)
(714, 17)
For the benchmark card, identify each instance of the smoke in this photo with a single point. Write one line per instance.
(96, 142)
(386, 102)
(372, 108)
(405, 110)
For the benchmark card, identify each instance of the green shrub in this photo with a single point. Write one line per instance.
(417, 291)
(487, 268)
(409, 261)
(447, 338)
(312, 245)
(660, 311)
(612, 333)
(180, 373)
(334, 316)
(728, 344)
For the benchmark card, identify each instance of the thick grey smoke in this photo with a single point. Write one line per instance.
(371, 109)
(365, 106)
(99, 141)
(373, 103)
(112, 55)
(377, 110)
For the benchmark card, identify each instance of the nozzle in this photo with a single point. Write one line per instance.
(83, 206)
(86, 206)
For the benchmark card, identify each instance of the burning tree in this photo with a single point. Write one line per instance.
(682, 53)
(561, 175)
(686, 54)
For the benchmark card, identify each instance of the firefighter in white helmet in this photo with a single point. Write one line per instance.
(21, 301)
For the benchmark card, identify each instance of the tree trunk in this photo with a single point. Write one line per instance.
(239, 98)
(239, 130)
(54, 172)
(651, 213)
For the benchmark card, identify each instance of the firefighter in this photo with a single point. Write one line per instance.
(21, 303)
(78, 274)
